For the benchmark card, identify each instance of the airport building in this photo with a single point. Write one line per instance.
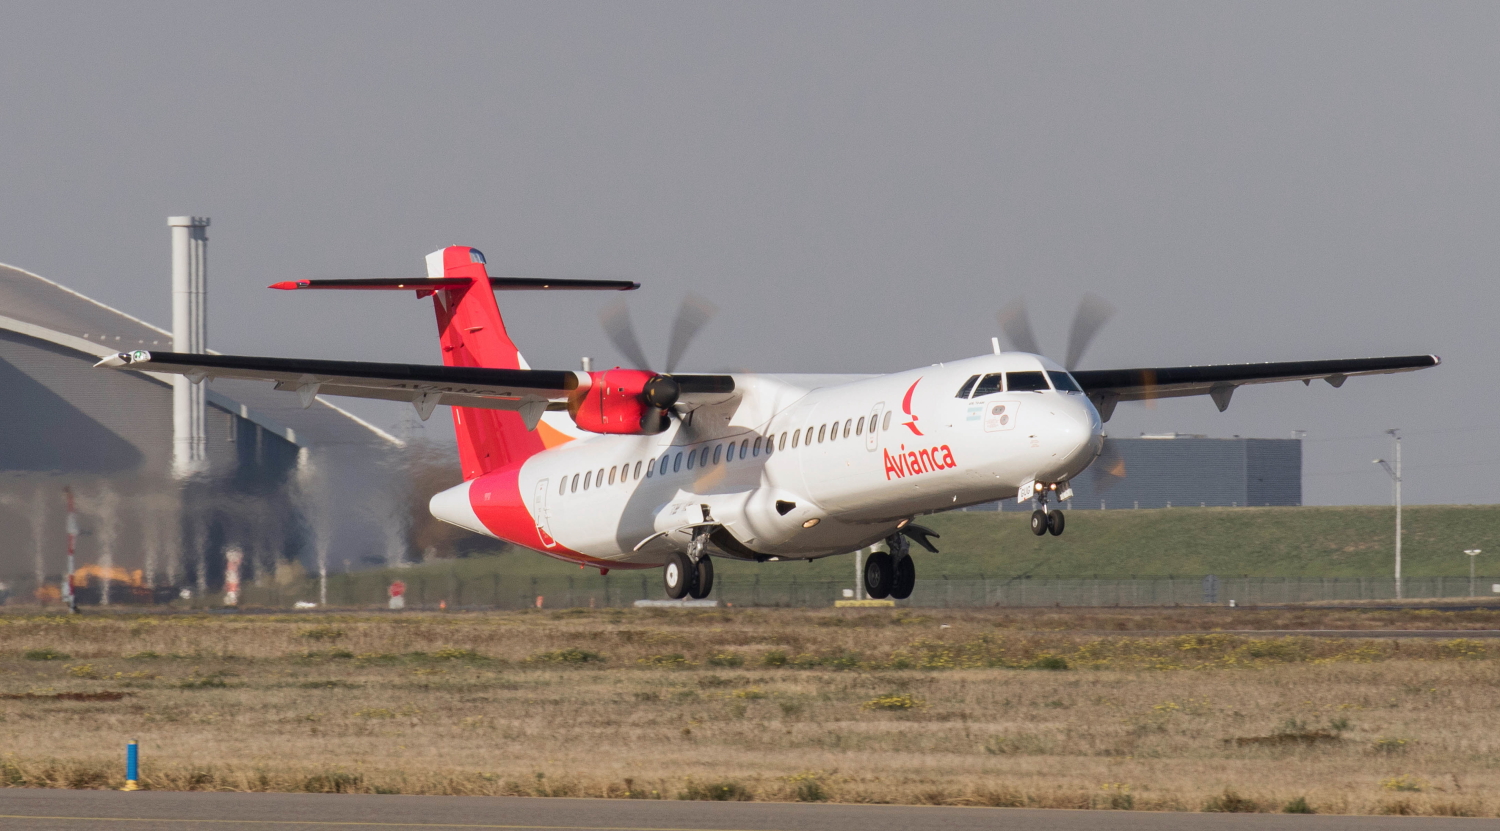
(169, 481)
(1182, 470)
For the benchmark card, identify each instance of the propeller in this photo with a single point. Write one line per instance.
(694, 313)
(662, 391)
(1093, 312)
(1108, 469)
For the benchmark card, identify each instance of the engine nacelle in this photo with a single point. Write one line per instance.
(624, 402)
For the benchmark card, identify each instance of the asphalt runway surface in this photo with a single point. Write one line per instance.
(59, 810)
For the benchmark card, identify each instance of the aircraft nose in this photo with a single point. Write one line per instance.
(1080, 435)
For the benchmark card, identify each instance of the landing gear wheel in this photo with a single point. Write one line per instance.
(879, 574)
(680, 576)
(1039, 522)
(705, 582)
(1055, 523)
(905, 577)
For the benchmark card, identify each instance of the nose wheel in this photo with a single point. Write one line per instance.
(1045, 521)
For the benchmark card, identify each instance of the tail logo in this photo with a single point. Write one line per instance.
(906, 408)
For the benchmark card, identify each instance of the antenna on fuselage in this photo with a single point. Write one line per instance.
(995, 345)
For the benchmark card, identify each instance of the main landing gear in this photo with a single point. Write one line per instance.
(690, 574)
(1044, 520)
(891, 574)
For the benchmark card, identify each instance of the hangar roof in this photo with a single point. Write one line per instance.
(34, 306)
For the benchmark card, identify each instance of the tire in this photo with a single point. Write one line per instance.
(905, 578)
(705, 582)
(879, 575)
(679, 575)
(1038, 522)
(1055, 523)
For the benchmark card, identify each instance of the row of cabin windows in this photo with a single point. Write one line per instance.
(1029, 381)
(743, 449)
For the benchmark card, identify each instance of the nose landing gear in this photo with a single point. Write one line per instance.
(1045, 520)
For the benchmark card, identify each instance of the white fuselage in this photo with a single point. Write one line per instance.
(765, 466)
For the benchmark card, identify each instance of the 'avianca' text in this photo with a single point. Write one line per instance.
(911, 462)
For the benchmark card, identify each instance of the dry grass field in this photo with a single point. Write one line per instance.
(1044, 708)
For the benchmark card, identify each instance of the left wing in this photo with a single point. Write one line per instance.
(1106, 387)
(527, 391)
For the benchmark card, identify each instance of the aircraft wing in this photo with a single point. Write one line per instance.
(1108, 386)
(528, 391)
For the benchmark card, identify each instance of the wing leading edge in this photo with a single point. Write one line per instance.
(1107, 387)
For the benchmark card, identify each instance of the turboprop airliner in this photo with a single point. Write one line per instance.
(630, 468)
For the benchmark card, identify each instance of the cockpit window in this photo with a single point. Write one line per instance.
(989, 384)
(476, 256)
(963, 391)
(1025, 381)
(1063, 381)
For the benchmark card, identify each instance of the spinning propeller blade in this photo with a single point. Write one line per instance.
(1093, 312)
(616, 321)
(1015, 322)
(694, 313)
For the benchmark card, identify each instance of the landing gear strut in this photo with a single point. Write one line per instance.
(1045, 520)
(690, 574)
(891, 574)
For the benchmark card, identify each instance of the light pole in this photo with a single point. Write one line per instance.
(1473, 553)
(1395, 475)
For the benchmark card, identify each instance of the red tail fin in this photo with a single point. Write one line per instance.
(473, 334)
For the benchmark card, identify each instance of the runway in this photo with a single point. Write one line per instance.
(60, 810)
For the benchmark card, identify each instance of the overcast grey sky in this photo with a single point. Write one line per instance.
(858, 186)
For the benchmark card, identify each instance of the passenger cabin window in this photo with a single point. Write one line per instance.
(718, 452)
(677, 463)
(755, 451)
(859, 426)
(611, 474)
(848, 425)
(1025, 382)
(703, 458)
(989, 385)
(968, 387)
(885, 423)
(1063, 381)
(587, 477)
(637, 471)
(781, 444)
(562, 487)
(822, 430)
(796, 435)
(692, 458)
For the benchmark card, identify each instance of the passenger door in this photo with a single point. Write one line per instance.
(543, 521)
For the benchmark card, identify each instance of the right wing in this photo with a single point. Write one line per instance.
(1106, 387)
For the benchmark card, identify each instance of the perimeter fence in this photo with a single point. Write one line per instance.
(453, 591)
(498, 591)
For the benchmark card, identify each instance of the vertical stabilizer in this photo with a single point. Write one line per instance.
(473, 334)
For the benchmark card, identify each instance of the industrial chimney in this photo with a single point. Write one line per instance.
(189, 334)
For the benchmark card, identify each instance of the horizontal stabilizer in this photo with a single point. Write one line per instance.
(431, 283)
